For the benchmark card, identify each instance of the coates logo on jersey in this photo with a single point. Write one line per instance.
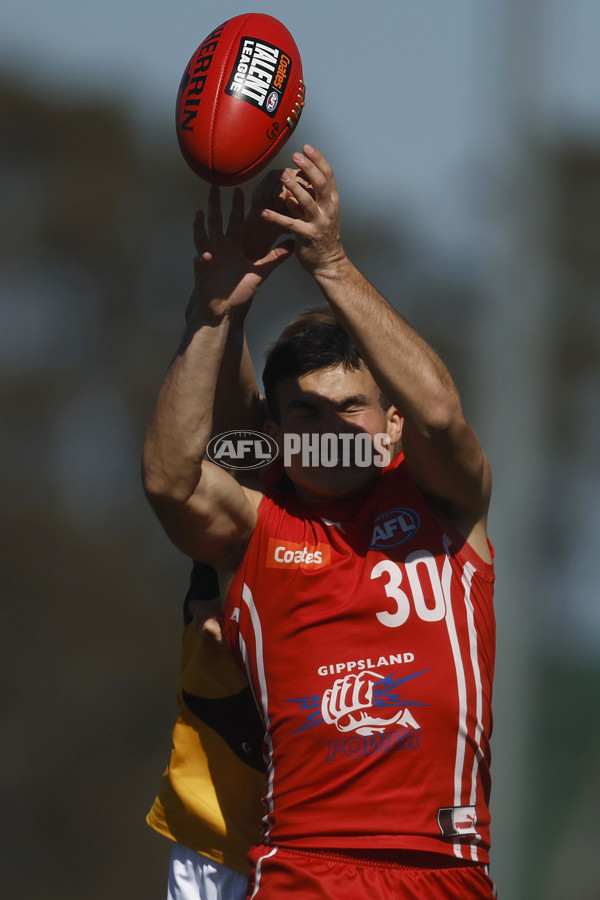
(394, 527)
(291, 555)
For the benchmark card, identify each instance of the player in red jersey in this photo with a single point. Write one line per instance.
(360, 604)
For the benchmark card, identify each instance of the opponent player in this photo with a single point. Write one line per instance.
(361, 602)
(209, 801)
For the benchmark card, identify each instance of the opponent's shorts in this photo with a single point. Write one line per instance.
(279, 873)
(195, 877)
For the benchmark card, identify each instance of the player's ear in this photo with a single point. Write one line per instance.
(394, 424)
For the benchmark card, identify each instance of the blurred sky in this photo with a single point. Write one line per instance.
(403, 97)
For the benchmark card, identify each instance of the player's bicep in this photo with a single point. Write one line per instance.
(213, 523)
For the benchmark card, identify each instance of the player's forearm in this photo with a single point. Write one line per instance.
(237, 399)
(181, 423)
(406, 368)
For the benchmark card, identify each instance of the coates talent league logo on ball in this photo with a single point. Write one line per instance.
(260, 74)
(242, 450)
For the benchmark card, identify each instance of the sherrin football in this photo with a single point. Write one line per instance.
(240, 98)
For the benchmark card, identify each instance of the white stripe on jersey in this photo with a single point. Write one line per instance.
(462, 688)
(468, 573)
(467, 578)
(263, 701)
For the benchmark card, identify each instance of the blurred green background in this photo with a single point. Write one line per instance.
(466, 141)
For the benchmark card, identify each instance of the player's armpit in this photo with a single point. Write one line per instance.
(451, 468)
(215, 524)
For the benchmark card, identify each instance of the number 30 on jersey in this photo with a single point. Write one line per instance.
(420, 566)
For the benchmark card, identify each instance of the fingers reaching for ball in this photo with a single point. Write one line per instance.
(312, 206)
(225, 277)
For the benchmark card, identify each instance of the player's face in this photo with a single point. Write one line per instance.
(333, 401)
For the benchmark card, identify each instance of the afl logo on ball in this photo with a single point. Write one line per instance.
(394, 527)
(272, 101)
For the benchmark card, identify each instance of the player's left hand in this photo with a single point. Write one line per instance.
(313, 209)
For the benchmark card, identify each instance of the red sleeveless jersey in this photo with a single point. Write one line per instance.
(367, 630)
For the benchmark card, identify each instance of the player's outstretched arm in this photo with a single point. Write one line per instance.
(238, 403)
(204, 511)
(441, 448)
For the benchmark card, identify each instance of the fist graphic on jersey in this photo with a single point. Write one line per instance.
(350, 706)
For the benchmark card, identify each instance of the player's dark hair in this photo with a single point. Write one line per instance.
(313, 341)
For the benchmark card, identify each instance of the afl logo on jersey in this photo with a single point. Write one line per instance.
(394, 527)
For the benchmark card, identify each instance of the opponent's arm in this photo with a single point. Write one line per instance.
(442, 450)
(204, 510)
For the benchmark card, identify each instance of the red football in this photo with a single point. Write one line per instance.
(240, 98)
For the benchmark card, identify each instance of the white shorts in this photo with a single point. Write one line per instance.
(195, 877)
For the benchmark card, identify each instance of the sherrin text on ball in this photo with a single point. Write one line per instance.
(240, 98)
